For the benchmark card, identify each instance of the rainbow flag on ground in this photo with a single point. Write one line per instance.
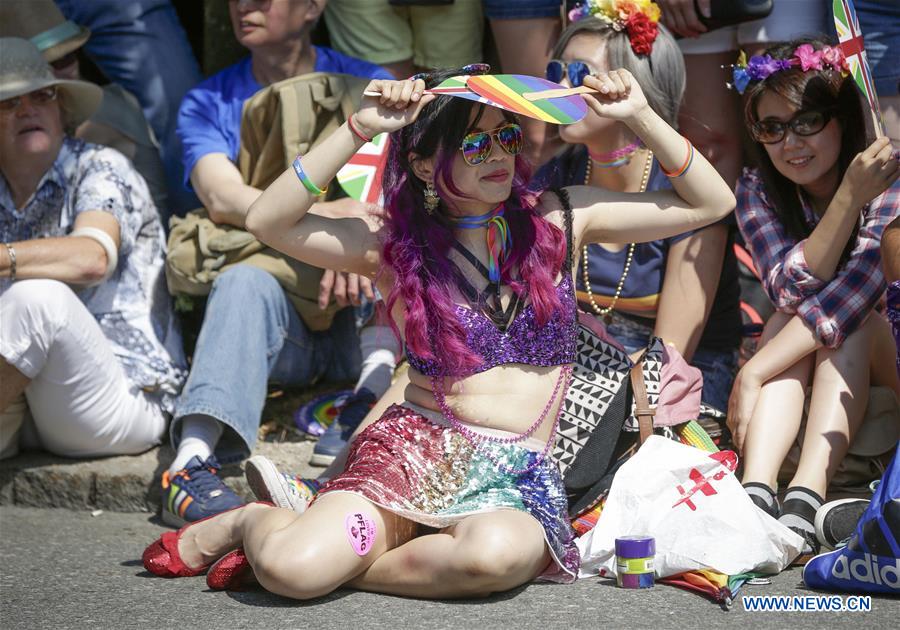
(851, 42)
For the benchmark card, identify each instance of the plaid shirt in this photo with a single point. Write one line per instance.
(833, 308)
(893, 304)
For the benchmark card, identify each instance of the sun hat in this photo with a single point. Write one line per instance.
(43, 23)
(24, 70)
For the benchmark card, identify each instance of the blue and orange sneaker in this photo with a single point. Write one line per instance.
(195, 492)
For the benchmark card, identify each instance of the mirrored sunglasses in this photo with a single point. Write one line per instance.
(806, 123)
(576, 71)
(477, 146)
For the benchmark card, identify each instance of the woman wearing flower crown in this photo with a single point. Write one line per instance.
(812, 214)
(684, 288)
(452, 493)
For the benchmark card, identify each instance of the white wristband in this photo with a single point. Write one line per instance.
(105, 241)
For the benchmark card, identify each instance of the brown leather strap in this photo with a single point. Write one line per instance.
(642, 408)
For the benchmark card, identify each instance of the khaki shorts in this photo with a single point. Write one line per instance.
(437, 36)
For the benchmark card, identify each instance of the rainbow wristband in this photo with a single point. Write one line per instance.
(684, 167)
(306, 181)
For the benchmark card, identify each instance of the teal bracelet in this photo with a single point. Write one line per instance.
(305, 180)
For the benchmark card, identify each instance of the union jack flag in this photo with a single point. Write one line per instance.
(360, 177)
(851, 41)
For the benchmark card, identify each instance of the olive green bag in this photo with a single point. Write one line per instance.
(278, 122)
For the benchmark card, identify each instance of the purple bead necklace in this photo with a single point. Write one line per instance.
(478, 439)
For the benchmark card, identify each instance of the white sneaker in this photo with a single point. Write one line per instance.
(282, 489)
(836, 520)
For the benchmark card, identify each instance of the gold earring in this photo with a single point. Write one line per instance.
(432, 201)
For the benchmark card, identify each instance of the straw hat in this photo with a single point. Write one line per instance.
(42, 22)
(23, 70)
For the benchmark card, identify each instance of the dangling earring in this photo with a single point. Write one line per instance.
(432, 201)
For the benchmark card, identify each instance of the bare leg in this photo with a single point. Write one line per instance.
(884, 354)
(776, 418)
(310, 555)
(839, 396)
(483, 554)
(710, 113)
(515, 58)
(12, 384)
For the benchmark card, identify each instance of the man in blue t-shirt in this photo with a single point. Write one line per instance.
(251, 332)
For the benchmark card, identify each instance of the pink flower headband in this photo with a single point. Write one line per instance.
(805, 57)
(638, 18)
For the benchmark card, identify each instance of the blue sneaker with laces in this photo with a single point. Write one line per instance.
(338, 432)
(195, 492)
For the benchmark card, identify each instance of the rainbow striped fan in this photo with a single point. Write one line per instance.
(508, 91)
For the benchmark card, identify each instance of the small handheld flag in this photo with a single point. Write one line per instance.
(851, 42)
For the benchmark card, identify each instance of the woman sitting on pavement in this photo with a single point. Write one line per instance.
(482, 325)
(684, 288)
(86, 328)
(812, 215)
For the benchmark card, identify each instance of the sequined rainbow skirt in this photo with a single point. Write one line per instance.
(431, 474)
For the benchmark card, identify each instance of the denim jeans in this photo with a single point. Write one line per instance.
(252, 334)
(141, 45)
(717, 366)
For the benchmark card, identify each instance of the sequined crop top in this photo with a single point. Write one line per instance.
(524, 340)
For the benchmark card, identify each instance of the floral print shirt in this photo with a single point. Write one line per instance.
(133, 306)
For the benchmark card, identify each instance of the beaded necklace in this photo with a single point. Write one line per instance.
(478, 439)
(585, 272)
(619, 157)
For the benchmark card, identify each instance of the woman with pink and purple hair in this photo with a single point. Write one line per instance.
(452, 493)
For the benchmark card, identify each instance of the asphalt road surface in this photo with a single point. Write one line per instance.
(65, 569)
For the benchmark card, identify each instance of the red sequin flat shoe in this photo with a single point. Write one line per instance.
(162, 558)
(229, 571)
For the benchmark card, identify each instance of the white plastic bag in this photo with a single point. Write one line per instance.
(692, 504)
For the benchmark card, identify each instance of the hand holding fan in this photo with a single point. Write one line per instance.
(517, 93)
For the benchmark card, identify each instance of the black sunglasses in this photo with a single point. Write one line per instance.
(576, 71)
(804, 123)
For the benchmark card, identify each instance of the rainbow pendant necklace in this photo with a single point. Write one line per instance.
(499, 239)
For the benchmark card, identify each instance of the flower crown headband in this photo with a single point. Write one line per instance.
(638, 18)
(805, 57)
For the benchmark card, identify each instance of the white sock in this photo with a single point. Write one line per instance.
(199, 435)
(379, 348)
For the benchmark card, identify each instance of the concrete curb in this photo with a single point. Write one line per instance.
(121, 484)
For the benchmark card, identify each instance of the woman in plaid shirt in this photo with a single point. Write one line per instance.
(812, 215)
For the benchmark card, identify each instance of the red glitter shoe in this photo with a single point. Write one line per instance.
(162, 558)
(229, 571)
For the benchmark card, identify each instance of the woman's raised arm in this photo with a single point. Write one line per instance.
(700, 195)
(277, 216)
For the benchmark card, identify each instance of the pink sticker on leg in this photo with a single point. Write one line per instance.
(361, 532)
